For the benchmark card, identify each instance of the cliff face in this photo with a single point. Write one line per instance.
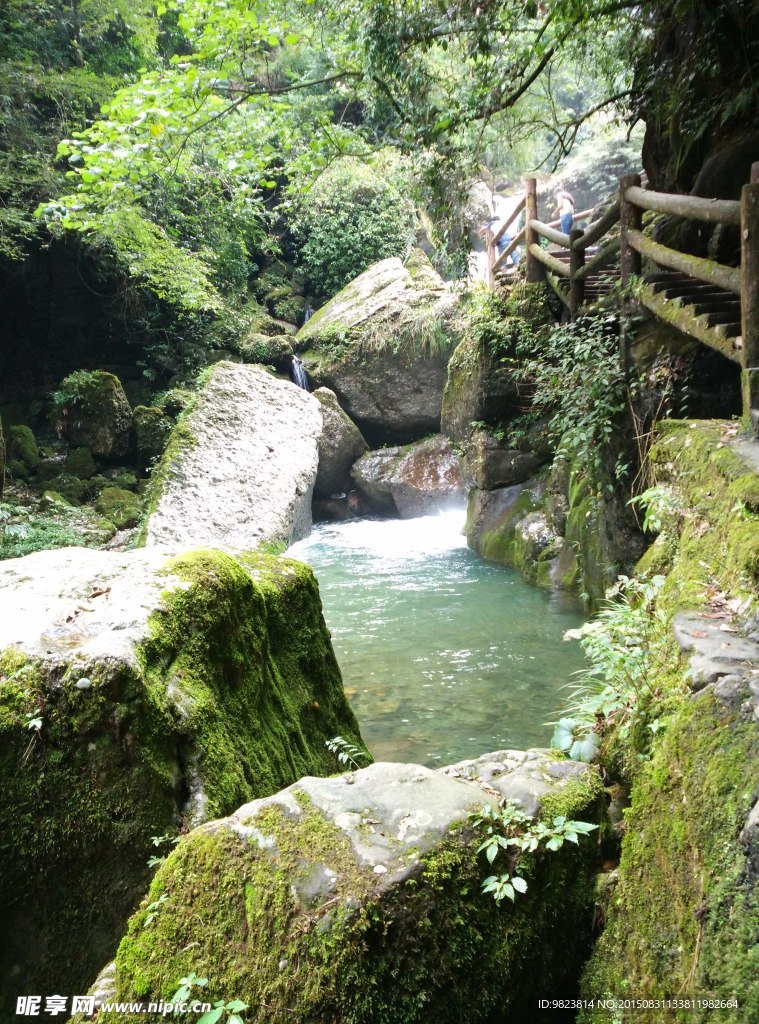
(695, 88)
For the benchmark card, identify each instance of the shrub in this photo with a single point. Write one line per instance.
(354, 216)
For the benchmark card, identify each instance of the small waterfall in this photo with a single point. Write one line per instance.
(308, 314)
(298, 374)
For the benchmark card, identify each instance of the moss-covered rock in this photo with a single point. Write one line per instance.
(91, 409)
(71, 487)
(80, 463)
(123, 508)
(382, 345)
(716, 489)
(340, 445)
(165, 693)
(269, 350)
(152, 428)
(357, 899)
(684, 917)
(22, 447)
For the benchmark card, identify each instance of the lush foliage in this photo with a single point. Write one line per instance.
(511, 833)
(23, 529)
(575, 377)
(347, 753)
(625, 645)
(355, 214)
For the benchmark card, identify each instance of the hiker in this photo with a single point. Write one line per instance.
(565, 209)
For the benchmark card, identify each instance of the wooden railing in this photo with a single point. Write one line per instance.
(709, 297)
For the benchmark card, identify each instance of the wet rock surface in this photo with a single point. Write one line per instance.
(411, 481)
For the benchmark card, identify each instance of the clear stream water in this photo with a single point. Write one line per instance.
(444, 656)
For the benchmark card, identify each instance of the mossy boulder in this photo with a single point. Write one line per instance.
(123, 508)
(340, 444)
(71, 487)
(80, 463)
(382, 345)
(22, 448)
(91, 409)
(276, 350)
(358, 899)
(152, 428)
(240, 466)
(413, 480)
(167, 692)
(490, 462)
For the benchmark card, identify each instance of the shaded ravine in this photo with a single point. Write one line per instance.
(444, 656)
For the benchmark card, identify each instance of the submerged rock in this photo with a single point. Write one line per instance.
(340, 445)
(358, 899)
(382, 345)
(411, 481)
(212, 681)
(240, 466)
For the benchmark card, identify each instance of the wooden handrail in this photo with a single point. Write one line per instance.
(715, 211)
(507, 223)
(513, 244)
(557, 237)
(601, 258)
(599, 227)
(728, 278)
(544, 257)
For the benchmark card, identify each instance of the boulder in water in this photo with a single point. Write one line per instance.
(382, 345)
(140, 695)
(240, 466)
(414, 480)
(340, 445)
(358, 898)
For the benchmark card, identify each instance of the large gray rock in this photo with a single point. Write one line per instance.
(489, 463)
(382, 345)
(162, 692)
(340, 445)
(414, 480)
(240, 466)
(358, 898)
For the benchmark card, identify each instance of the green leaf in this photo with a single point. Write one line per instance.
(211, 1016)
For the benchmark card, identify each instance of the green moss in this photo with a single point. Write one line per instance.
(152, 428)
(719, 535)
(224, 702)
(247, 912)
(80, 463)
(21, 446)
(260, 696)
(685, 914)
(121, 507)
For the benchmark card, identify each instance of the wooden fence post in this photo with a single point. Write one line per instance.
(576, 286)
(630, 218)
(750, 299)
(534, 270)
(491, 256)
